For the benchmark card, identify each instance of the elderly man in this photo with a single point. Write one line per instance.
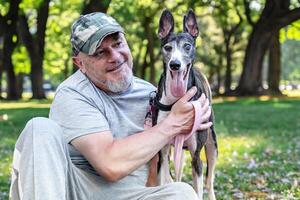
(94, 145)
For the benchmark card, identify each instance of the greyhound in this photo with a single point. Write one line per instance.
(178, 50)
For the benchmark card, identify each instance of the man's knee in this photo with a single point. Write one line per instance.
(40, 129)
(183, 191)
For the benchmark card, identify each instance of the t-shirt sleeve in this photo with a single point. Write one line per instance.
(77, 114)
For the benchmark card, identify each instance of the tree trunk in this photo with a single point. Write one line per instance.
(144, 65)
(35, 45)
(9, 23)
(150, 46)
(274, 64)
(37, 79)
(228, 67)
(8, 48)
(1, 64)
(250, 81)
(12, 93)
(275, 15)
(19, 84)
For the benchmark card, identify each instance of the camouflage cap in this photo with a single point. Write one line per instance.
(89, 30)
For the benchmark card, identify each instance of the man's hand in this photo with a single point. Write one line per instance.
(182, 115)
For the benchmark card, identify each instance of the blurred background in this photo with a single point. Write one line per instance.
(248, 49)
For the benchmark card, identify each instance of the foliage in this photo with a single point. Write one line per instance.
(21, 60)
(259, 149)
(58, 63)
(213, 16)
(4, 5)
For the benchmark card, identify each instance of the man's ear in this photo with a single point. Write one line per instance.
(190, 24)
(166, 24)
(78, 62)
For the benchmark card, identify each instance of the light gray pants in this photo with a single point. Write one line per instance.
(43, 170)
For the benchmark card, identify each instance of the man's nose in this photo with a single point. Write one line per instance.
(114, 56)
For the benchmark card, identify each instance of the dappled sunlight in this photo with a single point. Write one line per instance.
(290, 95)
(236, 149)
(17, 105)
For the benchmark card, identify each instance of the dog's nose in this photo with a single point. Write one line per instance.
(175, 64)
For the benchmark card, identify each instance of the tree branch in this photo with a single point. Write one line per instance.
(13, 10)
(42, 17)
(288, 18)
(24, 34)
(248, 12)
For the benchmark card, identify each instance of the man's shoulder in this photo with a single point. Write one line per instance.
(144, 83)
(76, 82)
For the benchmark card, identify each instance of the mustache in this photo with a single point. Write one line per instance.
(116, 66)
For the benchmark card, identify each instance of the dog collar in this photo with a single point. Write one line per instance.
(161, 106)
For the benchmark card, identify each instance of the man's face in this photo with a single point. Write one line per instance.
(110, 68)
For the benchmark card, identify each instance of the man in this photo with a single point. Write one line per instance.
(94, 145)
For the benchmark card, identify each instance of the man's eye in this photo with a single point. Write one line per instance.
(118, 44)
(98, 54)
(187, 47)
(168, 48)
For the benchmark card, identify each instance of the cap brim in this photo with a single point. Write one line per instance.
(96, 39)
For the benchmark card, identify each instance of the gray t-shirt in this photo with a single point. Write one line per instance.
(81, 108)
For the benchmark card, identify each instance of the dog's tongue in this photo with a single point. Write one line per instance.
(177, 84)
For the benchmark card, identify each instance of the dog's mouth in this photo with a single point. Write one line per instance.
(178, 82)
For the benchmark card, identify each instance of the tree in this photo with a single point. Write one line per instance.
(35, 44)
(275, 15)
(229, 19)
(274, 64)
(8, 32)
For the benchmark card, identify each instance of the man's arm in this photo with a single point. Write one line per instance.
(116, 158)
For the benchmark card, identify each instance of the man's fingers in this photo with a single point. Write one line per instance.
(202, 99)
(205, 126)
(206, 105)
(206, 115)
(190, 93)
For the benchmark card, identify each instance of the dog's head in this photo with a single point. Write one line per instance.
(178, 50)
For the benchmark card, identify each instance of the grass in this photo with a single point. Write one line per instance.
(259, 146)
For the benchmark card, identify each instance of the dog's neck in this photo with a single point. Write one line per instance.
(164, 95)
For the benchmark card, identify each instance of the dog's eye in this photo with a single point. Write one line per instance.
(187, 47)
(168, 48)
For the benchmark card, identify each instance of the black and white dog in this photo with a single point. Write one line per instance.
(179, 75)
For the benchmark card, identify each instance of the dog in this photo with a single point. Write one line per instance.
(179, 75)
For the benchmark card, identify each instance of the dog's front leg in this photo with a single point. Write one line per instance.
(164, 175)
(211, 155)
(197, 165)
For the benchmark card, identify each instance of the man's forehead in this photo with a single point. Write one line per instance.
(109, 39)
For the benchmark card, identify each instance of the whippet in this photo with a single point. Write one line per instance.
(178, 50)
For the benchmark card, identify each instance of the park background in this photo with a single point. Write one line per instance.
(248, 50)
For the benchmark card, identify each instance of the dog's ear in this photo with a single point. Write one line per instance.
(166, 24)
(190, 24)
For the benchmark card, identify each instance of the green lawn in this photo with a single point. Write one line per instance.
(259, 146)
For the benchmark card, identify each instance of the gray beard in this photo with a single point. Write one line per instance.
(121, 85)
